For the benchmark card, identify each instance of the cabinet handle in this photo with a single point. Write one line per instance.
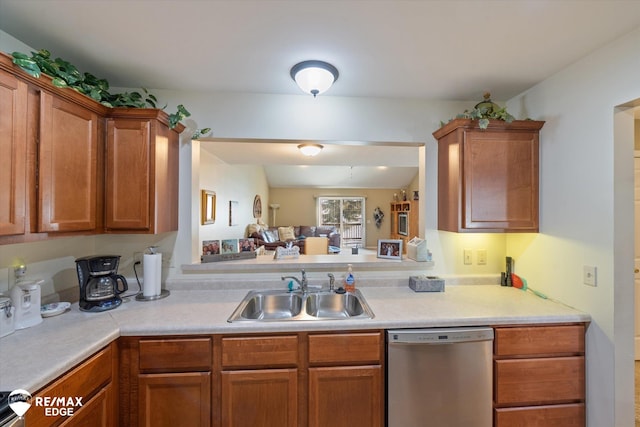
(636, 270)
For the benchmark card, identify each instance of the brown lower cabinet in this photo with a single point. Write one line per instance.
(261, 397)
(345, 396)
(539, 376)
(174, 399)
(313, 379)
(165, 381)
(279, 380)
(306, 379)
(92, 381)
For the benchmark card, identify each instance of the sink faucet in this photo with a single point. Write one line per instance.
(332, 281)
(304, 285)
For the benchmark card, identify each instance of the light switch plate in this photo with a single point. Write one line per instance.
(467, 256)
(590, 275)
(482, 257)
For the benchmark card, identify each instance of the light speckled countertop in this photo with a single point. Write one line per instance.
(31, 358)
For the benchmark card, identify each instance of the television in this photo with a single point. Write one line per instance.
(403, 224)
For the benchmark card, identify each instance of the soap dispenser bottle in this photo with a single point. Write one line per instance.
(349, 280)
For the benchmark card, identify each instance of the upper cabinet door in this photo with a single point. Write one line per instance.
(128, 171)
(13, 143)
(488, 179)
(501, 180)
(142, 167)
(68, 166)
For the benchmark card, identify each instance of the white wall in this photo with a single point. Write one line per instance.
(586, 210)
(336, 118)
(232, 182)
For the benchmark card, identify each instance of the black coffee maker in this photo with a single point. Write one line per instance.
(99, 290)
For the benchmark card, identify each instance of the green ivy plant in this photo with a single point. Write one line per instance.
(485, 111)
(65, 74)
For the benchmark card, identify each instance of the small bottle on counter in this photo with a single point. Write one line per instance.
(349, 280)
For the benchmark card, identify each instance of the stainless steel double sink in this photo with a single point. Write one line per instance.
(278, 305)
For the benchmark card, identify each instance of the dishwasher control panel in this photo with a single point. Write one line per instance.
(439, 336)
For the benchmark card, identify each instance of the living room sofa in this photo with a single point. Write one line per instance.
(272, 237)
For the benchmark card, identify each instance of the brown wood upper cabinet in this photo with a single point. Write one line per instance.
(13, 146)
(70, 165)
(68, 179)
(141, 184)
(488, 178)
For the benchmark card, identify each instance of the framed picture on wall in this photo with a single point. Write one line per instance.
(208, 206)
(257, 207)
(390, 249)
(233, 213)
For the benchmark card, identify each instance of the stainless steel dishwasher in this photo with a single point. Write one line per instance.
(440, 377)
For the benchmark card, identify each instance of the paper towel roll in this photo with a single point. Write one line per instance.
(152, 275)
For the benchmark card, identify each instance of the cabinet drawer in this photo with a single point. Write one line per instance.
(539, 340)
(176, 354)
(258, 352)
(360, 348)
(572, 415)
(539, 381)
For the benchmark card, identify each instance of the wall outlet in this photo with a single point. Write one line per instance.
(590, 275)
(466, 256)
(137, 257)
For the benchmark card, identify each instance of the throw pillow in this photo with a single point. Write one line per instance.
(269, 236)
(253, 228)
(286, 233)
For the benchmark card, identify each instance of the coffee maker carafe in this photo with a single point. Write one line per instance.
(100, 285)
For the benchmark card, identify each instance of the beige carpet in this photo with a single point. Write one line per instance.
(637, 382)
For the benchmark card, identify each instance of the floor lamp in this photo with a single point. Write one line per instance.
(274, 207)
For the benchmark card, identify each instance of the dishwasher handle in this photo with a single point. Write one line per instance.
(439, 336)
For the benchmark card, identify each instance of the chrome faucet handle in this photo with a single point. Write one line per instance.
(304, 282)
(332, 281)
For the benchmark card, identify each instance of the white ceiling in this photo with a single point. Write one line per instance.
(340, 164)
(428, 49)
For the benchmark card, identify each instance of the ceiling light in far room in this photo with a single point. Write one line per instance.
(314, 77)
(310, 149)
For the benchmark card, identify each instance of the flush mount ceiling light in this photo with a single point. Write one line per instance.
(310, 149)
(314, 77)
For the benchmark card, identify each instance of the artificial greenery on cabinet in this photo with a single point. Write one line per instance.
(64, 74)
(485, 111)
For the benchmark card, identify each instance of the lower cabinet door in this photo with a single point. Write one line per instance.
(346, 397)
(571, 415)
(265, 398)
(175, 399)
(98, 411)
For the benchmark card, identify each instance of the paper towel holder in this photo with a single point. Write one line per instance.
(163, 292)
